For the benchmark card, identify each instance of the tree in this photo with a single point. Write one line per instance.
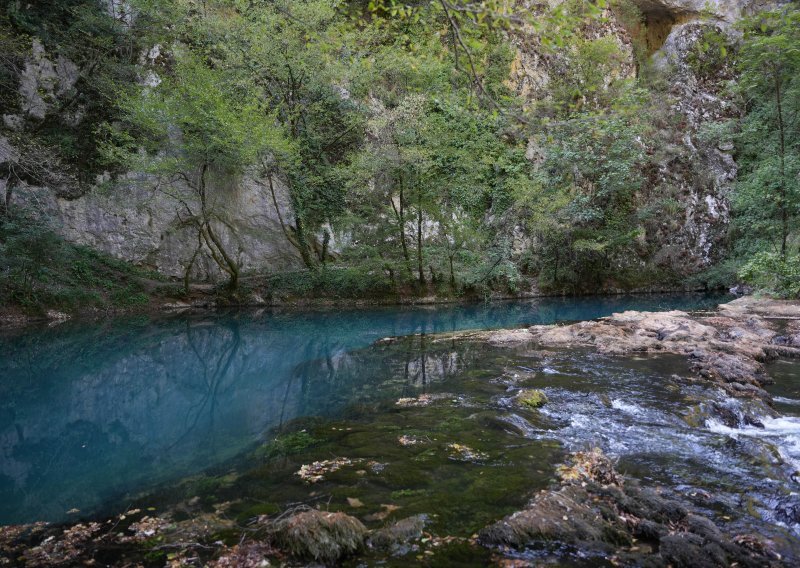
(291, 55)
(768, 192)
(196, 133)
(582, 199)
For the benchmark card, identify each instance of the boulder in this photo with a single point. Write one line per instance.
(318, 535)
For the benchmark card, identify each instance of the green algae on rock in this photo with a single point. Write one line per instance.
(318, 535)
(532, 398)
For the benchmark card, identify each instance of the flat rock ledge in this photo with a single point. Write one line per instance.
(728, 346)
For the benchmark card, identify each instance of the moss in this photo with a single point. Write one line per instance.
(320, 536)
(532, 398)
(287, 444)
(401, 493)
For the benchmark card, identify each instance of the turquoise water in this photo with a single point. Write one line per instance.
(94, 414)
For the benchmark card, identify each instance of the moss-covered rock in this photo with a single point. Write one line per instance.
(532, 398)
(320, 536)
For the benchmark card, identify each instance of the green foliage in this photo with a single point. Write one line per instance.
(581, 201)
(773, 273)
(767, 198)
(713, 52)
(351, 282)
(38, 270)
(104, 51)
(592, 76)
(394, 127)
(721, 276)
(220, 128)
(332, 282)
(197, 132)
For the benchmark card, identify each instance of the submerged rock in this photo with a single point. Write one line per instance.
(460, 452)
(316, 471)
(320, 536)
(398, 534)
(422, 400)
(596, 510)
(245, 555)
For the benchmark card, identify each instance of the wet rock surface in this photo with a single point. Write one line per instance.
(728, 347)
(598, 511)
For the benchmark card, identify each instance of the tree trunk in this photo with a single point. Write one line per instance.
(420, 270)
(402, 217)
(5, 204)
(401, 220)
(187, 273)
(784, 206)
(305, 251)
(212, 241)
(286, 232)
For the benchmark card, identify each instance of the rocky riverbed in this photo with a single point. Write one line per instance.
(728, 347)
(588, 511)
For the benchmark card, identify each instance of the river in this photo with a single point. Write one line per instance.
(227, 407)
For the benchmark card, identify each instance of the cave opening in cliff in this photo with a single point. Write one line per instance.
(659, 21)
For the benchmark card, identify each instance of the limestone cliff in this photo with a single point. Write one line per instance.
(692, 176)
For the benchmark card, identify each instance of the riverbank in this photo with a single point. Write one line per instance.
(728, 347)
(161, 297)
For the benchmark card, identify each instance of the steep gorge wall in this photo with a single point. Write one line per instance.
(696, 172)
(691, 175)
(139, 223)
(138, 220)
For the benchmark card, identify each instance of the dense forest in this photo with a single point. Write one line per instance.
(393, 149)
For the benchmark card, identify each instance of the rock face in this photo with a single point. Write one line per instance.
(694, 175)
(689, 40)
(697, 173)
(140, 221)
(141, 224)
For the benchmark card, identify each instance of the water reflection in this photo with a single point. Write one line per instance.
(92, 413)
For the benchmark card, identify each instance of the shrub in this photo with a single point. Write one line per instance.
(39, 270)
(331, 282)
(772, 273)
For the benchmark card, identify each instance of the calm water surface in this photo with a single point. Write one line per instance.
(94, 414)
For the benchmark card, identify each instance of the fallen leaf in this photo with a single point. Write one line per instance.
(381, 515)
